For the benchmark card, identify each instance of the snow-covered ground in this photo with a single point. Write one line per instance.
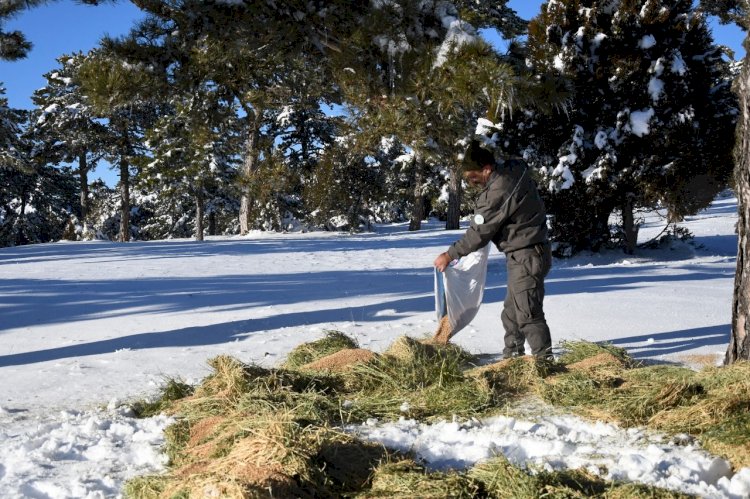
(566, 442)
(94, 324)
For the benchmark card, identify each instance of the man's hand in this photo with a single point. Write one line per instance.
(442, 261)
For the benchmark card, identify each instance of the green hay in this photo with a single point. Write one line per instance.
(427, 380)
(572, 390)
(507, 380)
(310, 352)
(712, 404)
(410, 365)
(278, 421)
(147, 487)
(348, 462)
(576, 351)
(649, 392)
(499, 478)
(176, 436)
(173, 390)
(638, 491)
(230, 378)
(721, 417)
(631, 397)
(253, 390)
(406, 479)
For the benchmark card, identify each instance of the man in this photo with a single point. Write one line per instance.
(510, 213)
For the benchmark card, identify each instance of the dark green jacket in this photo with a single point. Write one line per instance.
(510, 212)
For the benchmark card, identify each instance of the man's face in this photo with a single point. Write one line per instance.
(478, 177)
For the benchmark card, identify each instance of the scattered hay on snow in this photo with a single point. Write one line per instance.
(247, 430)
(576, 351)
(720, 416)
(514, 376)
(499, 478)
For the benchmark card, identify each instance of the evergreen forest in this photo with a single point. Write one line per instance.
(224, 117)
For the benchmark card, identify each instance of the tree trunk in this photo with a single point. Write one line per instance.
(199, 218)
(83, 175)
(124, 201)
(417, 214)
(248, 167)
(453, 217)
(597, 233)
(629, 227)
(21, 238)
(212, 223)
(739, 343)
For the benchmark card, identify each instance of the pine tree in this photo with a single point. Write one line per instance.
(69, 127)
(193, 152)
(348, 182)
(651, 112)
(125, 96)
(10, 132)
(36, 201)
(13, 44)
(295, 132)
(104, 211)
(430, 90)
(13, 170)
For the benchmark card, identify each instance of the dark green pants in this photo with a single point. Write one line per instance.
(523, 316)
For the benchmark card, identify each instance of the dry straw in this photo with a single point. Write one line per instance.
(310, 352)
(247, 431)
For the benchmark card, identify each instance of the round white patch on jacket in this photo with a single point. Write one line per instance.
(478, 219)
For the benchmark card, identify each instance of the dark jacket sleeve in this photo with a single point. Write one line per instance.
(494, 207)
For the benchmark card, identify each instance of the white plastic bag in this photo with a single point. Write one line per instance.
(460, 288)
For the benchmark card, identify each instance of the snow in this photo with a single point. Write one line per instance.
(558, 62)
(485, 127)
(78, 454)
(284, 118)
(459, 33)
(678, 65)
(392, 47)
(84, 323)
(597, 40)
(647, 42)
(655, 88)
(601, 139)
(562, 171)
(592, 173)
(639, 121)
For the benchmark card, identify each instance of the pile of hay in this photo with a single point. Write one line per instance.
(602, 382)
(342, 360)
(247, 431)
(332, 342)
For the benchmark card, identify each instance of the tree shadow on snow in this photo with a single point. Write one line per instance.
(34, 302)
(674, 341)
(107, 251)
(225, 332)
(30, 302)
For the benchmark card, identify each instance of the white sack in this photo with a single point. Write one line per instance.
(459, 290)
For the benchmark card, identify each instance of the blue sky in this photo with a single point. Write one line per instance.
(64, 27)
